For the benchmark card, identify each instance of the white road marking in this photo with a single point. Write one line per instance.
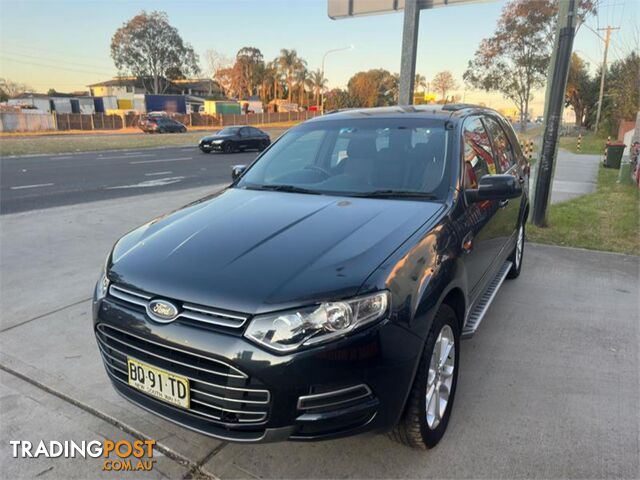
(161, 160)
(150, 183)
(190, 149)
(20, 187)
(157, 173)
(127, 156)
(67, 157)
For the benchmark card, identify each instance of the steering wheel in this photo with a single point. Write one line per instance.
(320, 169)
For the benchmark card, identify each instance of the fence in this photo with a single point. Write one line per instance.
(267, 117)
(81, 121)
(23, 122)
(26, 122)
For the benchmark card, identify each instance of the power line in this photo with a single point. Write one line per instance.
(51, 60)
(56, 67)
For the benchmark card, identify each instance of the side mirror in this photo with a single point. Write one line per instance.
(236, 171)
(495, 187)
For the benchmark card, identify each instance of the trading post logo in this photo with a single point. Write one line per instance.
(122, 455)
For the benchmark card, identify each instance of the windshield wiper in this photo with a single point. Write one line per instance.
(281, 188)
(395, 193)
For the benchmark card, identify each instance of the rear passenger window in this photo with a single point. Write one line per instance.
(503, 151)
(478, 158)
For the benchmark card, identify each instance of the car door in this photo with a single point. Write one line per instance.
(508, 213)
(258, 137)
(244, 136)
(482, 238)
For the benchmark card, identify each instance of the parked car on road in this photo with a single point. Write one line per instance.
(161, 124)
(235, 139)
(325, 292)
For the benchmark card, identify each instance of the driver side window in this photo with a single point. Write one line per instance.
(478, 157)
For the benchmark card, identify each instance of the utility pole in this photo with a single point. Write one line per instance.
(554, 102)
(606, 39)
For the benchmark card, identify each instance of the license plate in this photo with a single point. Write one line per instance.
(158, 383)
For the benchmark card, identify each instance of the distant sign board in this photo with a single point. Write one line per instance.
(353, 8)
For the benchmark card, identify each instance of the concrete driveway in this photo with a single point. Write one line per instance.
(549, 386)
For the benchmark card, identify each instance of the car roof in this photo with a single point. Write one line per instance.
(450, 111)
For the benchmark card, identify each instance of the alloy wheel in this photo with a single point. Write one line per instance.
(440, 377)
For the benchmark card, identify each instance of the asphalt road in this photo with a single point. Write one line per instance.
(38, 182)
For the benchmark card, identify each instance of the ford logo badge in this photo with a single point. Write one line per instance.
(162, 311)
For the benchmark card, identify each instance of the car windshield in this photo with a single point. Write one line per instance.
(368, 157)
(229, 131)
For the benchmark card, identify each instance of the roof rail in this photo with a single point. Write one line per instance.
(454, 107)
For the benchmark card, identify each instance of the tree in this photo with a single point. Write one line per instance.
(302, 76)
(249, 68)
(420, 81)
(214, 63)
(622, 92)
(582, 90)
(317, 83)
(148, 47)
(373, 88)
(11, 89)
(338, 98)
(290, 63)
(443, 82)
(515, 59)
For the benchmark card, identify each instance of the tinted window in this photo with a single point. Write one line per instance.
(502, 150)
(255, 132)
(229, 131)
(478, 157)
(357, 156)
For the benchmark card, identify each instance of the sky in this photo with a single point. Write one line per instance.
(65, 44)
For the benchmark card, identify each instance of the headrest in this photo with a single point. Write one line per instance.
(362, 147)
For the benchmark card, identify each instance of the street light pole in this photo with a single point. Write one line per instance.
(324, 57)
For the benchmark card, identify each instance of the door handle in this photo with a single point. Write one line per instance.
(503, 203)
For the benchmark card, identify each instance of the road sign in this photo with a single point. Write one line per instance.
(354, 8)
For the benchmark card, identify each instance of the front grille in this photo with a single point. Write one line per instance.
(219, 392)
(198, 314)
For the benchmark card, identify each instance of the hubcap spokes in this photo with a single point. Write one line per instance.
(440, 376)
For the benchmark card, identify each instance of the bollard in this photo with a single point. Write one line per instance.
(579, 142)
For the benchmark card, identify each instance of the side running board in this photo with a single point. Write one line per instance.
(479, 311)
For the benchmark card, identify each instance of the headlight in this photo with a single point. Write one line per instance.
(290, 330)
(102, 287)
(217, 142)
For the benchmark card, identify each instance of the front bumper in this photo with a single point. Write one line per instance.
(208, 147)
(359, 383)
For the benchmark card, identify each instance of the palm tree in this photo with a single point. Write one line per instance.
(421, 81)
(302, 77)
(290, 63)
(317, 83)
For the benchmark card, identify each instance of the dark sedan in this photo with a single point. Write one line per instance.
(157, 124)
(326, 291)
(235, 139)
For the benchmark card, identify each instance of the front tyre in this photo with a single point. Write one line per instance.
(516, 256)
(430, 401)
(228, 147)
